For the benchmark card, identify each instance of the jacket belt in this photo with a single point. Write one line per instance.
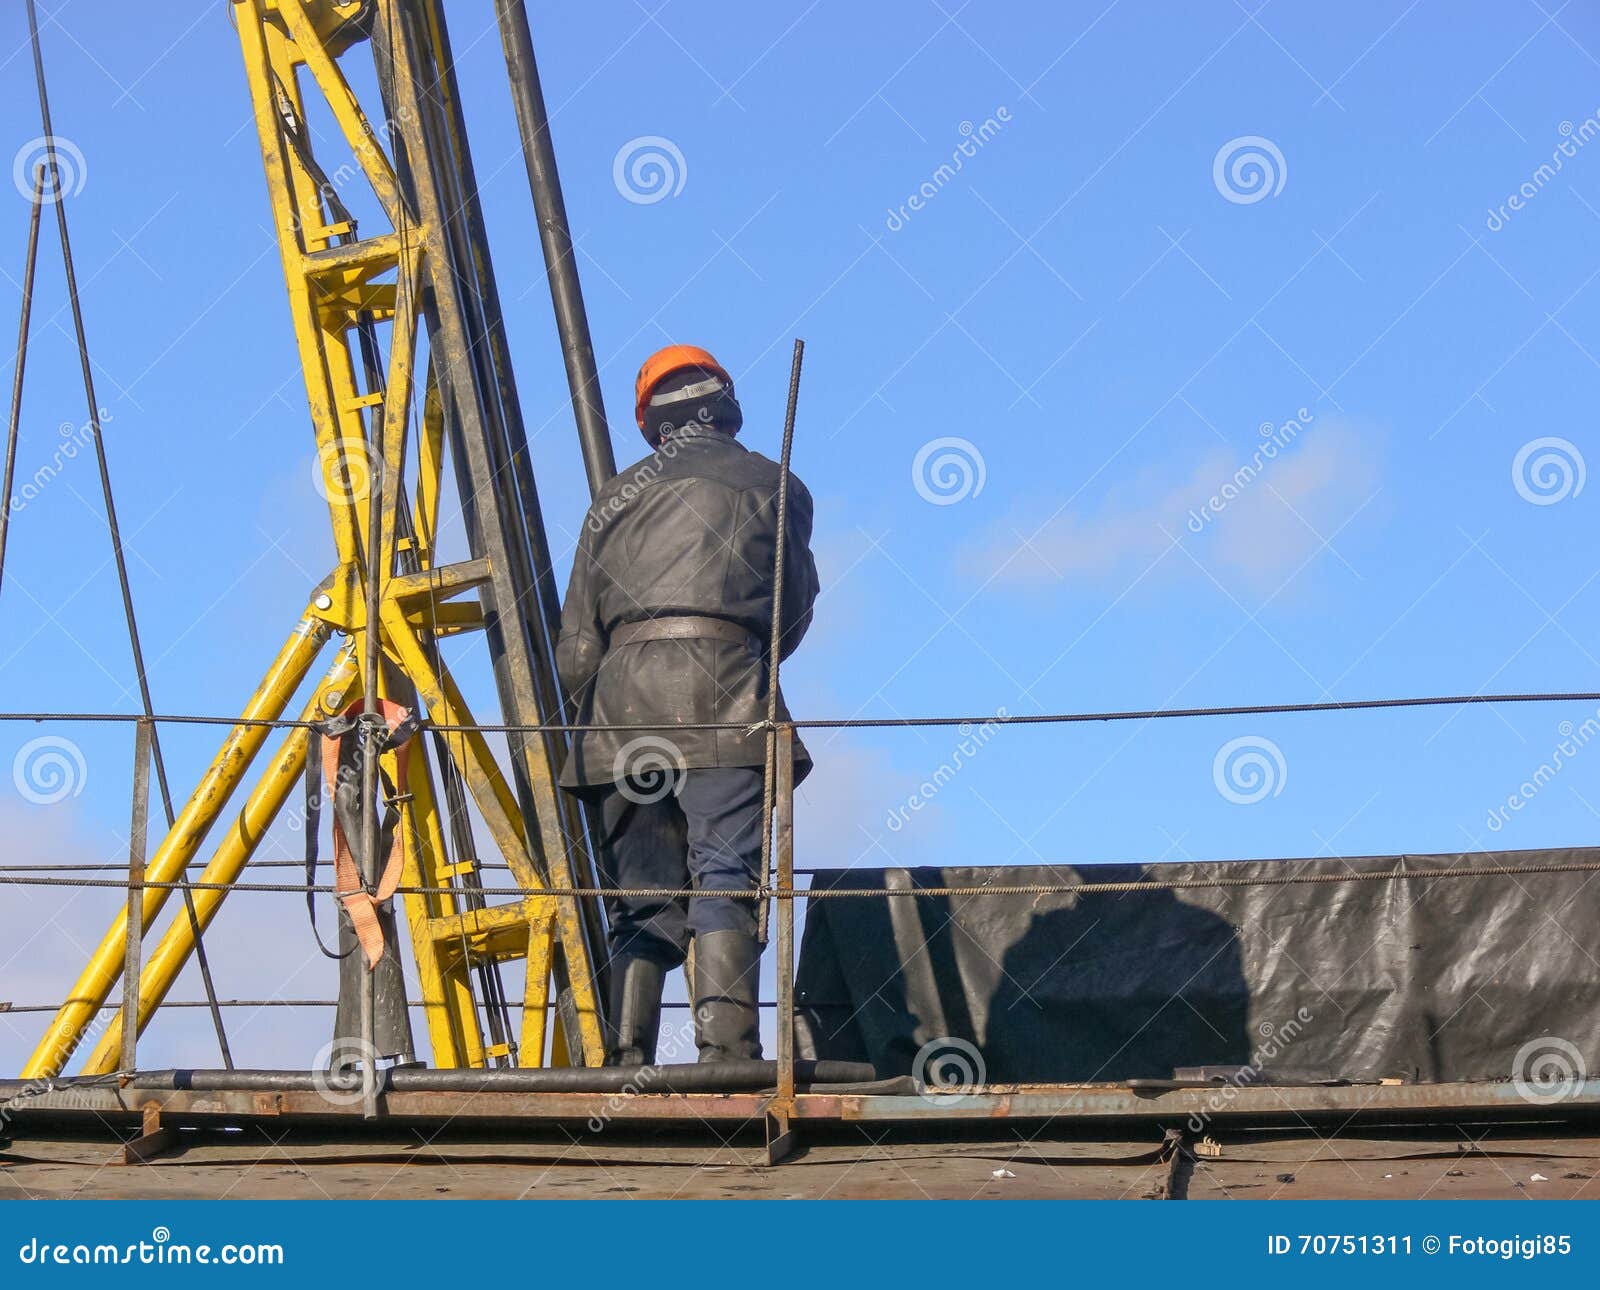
(682, 627)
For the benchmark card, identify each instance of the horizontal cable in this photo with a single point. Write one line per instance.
(115, 867)
(868, 723)
(6, 1009)
(116, 1005)
(858, 893)
(122, 866)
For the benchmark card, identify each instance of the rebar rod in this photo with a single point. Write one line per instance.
(120, 559)
(775, 640)
(13, 425)
(905, 893)
(133, 948)
(115, 1005)
(881, 723)
(368, 727)
(785, 856)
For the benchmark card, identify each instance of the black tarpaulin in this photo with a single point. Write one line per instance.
(1425, 977)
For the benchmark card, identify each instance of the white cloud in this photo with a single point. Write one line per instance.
(47, 932)
(260, 947)
(1256, 514)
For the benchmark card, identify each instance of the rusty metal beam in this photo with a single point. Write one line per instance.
(1100, 1104)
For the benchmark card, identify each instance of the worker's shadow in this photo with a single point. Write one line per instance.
(1098, 988)
(1119, 986)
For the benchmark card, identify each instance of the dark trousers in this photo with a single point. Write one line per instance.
(701, 833)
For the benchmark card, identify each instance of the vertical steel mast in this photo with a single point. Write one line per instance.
(477, 386)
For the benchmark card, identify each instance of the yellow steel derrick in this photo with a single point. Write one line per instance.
(339, 284)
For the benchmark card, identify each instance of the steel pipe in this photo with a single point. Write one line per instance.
(555, 238)
(694, 1077)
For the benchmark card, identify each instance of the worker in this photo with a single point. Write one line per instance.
(667, 625)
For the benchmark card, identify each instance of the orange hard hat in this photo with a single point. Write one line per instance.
(662, 364)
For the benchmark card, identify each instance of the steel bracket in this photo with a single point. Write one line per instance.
(154, 1139)
(783, 1135)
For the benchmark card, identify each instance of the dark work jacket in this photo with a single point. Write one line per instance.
(691, 530)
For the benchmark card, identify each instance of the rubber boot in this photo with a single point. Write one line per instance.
(636, 983)
(727, 1024)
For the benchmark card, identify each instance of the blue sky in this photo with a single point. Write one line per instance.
(1096, 303)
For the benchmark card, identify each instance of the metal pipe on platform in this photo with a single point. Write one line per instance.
(693, 1077)
(95, 1104)
(555, 237)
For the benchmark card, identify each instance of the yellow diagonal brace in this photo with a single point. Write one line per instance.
(358, 131)
(178, 848)
(284, 774)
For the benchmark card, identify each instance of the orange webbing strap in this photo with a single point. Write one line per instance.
(360, 903)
